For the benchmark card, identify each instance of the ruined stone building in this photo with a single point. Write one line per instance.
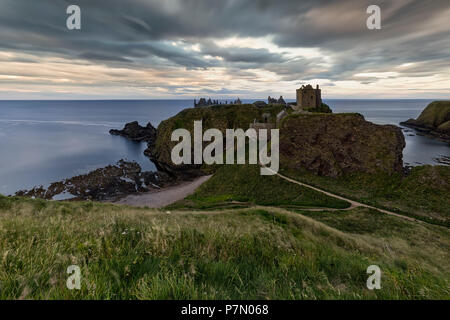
(275, 101)
(308, 97)
(206, 103)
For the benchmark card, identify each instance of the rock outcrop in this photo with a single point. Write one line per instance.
(135, 132)
(336, 144)
(434, 121)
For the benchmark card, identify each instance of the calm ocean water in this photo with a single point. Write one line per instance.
(46, 141)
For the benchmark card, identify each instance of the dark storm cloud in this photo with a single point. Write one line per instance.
(138, 33)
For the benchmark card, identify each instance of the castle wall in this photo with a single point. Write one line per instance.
(308, 98)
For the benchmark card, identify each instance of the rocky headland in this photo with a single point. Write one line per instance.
(324, 143)
(434, 121)
(135, 132)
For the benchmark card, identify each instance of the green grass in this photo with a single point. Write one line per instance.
(324, 108)
(435, 114)
(241, 185)
(392, 233)
(271, 253)
(423, 194)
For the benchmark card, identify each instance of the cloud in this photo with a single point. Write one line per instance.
(242, 55)
(174, 37)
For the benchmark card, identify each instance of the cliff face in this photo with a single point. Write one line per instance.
(220, 117)
(335, 144)
(434, 120)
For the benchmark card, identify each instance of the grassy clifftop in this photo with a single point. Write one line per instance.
(434, 120)
(435, 114)
(271, 253)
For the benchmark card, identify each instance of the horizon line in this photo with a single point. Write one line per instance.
(255, 99)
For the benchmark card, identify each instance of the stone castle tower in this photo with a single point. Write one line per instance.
(308, 97)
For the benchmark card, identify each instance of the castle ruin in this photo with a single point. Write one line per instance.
(308, 97)
(206, 103)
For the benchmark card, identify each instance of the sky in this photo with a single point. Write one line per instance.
(183, 49)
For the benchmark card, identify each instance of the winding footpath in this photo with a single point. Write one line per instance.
(353, 203)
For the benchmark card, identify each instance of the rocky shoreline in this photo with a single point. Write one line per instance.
(422, 130)
(105, 184)
(114, 182)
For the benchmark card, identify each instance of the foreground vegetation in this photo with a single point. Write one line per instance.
(252, 253)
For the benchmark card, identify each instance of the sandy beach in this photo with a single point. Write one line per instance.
(164, 197)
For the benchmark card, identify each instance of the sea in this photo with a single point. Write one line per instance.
(46, 141)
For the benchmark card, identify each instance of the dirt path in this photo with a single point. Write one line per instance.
(164, 197)
(353, 203)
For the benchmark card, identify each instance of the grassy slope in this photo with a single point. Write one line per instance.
(240, 254)
(244, 184)
(435, 114)
(424, 193)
